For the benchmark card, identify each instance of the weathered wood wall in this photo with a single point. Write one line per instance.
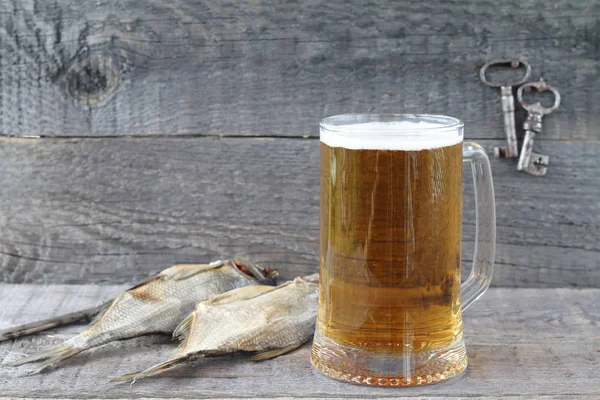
(276, 67)
(114, 210)
(102, 208)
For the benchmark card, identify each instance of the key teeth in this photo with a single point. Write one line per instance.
(542, 171)
(539, 159)
(536, 170)
(537, 165)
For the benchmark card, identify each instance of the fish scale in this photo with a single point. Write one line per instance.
(263, 320)
(156, 305)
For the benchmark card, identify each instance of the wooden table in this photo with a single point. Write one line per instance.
(522, 343)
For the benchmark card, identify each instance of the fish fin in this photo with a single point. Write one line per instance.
(272, 353)
(248, 292)
(179, 271)
(53, 355)
(183, 329)
(60, 320)
(183, 271)
(243, 293)
(146, 281)
(155, 369)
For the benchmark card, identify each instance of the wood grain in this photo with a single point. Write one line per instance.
(119, 210)
(521, 343)
(189, 67)
(370, 397)
(578, 397)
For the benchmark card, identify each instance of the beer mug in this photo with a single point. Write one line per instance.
(391, 298)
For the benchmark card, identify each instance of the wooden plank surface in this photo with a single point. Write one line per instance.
(189, 67)
(521, 343)
(370, 397)
(119, 210)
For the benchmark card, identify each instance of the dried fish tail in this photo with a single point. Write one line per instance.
(53, 356)
(155, 369)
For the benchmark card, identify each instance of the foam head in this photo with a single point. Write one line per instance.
(406, 132)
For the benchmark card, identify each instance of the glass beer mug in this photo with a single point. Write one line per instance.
(391, 298)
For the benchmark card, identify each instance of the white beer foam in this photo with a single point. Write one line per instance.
(394, 135)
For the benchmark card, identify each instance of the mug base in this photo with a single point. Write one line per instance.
(363, 367)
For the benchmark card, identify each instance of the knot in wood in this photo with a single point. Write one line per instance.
(92, 78)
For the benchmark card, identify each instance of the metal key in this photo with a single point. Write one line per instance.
(508, 105)
(530, 162)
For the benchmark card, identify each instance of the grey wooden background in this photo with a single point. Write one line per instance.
(140, 135)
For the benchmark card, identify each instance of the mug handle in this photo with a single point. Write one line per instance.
(485, 225)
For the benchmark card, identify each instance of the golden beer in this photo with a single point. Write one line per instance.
(390, 247)
(390, 254)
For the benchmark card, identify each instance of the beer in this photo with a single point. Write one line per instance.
(390, 250)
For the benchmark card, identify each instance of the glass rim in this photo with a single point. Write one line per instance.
(443, 122)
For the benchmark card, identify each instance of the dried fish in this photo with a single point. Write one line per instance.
(156, 305)
(267, 321)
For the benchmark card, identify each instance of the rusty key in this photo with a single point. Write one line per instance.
(530, 162)
(508, 105)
